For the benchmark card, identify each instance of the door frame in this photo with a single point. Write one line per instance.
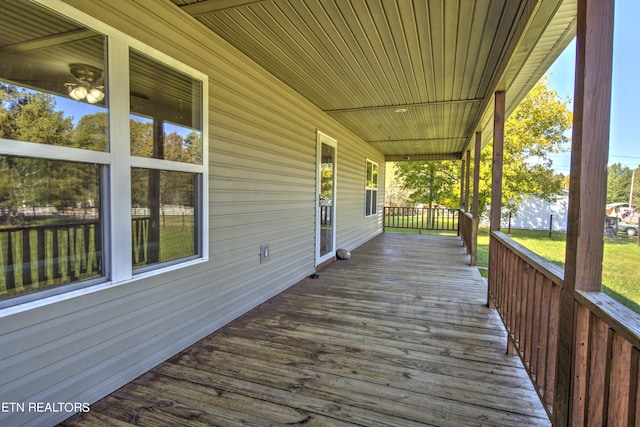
(322, 138)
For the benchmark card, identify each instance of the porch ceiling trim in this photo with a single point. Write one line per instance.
(394, 107)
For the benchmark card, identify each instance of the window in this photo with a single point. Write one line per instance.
(371, 190)
(166, 128)
(75, 139)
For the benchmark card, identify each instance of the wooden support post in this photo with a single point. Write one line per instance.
(476, 176)
(587, 192)
(496, 166)
(496, 184)
(466, 182)
(476, 200)
(462, 178)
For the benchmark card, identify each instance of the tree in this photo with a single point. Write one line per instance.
(430, 183)
(29, 116)
(193, 144)
(141, 138)
(394, 193)
(91, 132)
(618, 183)
(635, 192)
(536, 128)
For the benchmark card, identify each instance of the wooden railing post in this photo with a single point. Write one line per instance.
(384, 219)
(587, 192)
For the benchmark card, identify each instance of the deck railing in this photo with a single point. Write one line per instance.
(436, 219)
(526, 290)
(43, 255)
(139, 239)
(33, 257)
(469, 234)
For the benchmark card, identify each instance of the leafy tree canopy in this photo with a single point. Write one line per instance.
(620, 180)
(430, 183)
(536, 129)
(618, 183)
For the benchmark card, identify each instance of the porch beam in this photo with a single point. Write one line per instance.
(414, 140)
(412, 105)
(420, 157)
(211, 6)
(48, 41)
(587, 191)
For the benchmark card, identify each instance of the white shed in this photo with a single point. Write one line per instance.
(538, 214)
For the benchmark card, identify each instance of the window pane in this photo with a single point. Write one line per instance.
(369, 173)
(166, 112)
(374, 202)
(51, 91)
(374, 176)
(50, 225)
(164, 224)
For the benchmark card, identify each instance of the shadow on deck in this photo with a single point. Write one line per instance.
(398, 335)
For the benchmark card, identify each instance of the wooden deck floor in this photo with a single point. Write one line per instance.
(398, 335)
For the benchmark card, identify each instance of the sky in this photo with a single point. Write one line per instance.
(624, 139)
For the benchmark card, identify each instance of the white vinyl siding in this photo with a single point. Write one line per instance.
(262, 190)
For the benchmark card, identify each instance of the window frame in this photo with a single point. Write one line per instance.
(370, 206)
(116, 165)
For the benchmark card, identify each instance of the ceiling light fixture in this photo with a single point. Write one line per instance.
(400, 110)
(85, 86)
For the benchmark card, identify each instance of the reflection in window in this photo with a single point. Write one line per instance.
(51, 93)
(166, 112)
(164, 223)
(53, 90)
(371, 190)
(32, 116)
(165, 124)
(50, 225)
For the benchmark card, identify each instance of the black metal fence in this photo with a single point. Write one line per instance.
(432, 219)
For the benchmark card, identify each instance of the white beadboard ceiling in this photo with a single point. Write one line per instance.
(361, 60)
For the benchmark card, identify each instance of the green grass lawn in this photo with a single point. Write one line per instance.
(620, 279)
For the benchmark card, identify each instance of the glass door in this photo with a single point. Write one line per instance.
(326, 206)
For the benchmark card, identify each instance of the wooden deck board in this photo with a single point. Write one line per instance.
(399, 335)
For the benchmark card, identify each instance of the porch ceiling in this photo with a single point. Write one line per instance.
(360, 61)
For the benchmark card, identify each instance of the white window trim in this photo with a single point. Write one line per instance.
(367, 188)
(323, 138)
(9, 147)
(117, 209)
